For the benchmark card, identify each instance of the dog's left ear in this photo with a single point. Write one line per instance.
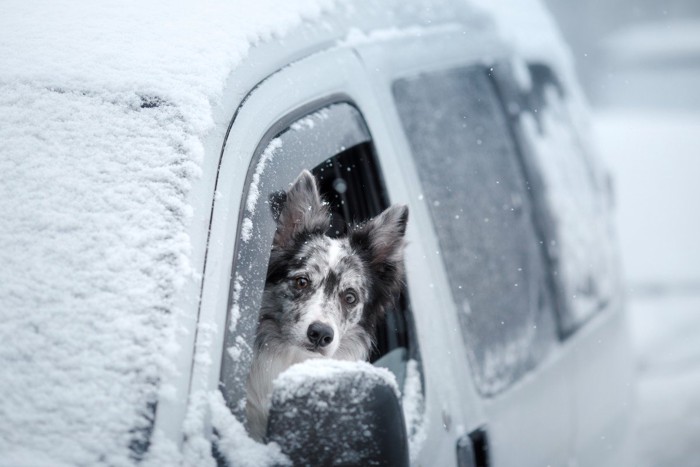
(382, 241)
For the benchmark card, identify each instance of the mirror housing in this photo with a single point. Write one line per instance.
(328, 412)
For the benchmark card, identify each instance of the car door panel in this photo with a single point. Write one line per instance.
(527, 413)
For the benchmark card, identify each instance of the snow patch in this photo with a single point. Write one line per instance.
(309, 122)
(413, 404)
(196, 449)
(233, 442)
(246, 229)
(306, 123)
(357, 37)
(236, 308)
(238, 348)
(299, 376)
(104, 109)
(206, 333)
(254, 190)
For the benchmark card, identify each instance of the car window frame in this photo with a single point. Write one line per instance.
(282, 129)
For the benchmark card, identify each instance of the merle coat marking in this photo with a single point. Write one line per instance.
(323, 296)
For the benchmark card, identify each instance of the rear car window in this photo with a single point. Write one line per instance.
(575, 201)
(474, 186)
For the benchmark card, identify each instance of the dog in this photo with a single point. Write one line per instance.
(323, 296)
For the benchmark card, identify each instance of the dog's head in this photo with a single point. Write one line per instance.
(324, 296)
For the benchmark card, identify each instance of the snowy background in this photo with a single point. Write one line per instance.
(639, 61)
(155, 101)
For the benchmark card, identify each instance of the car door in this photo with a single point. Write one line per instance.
(469, 175)
(318, 114)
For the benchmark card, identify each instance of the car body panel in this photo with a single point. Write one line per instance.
(545, 396)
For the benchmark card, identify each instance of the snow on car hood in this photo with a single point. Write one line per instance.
(103, 110)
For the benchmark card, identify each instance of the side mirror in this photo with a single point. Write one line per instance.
(328, 412)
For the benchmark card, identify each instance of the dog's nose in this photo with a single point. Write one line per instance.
(320, 334)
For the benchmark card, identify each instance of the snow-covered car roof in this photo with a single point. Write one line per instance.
(105, 111)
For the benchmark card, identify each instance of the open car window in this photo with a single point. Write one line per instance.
(335, 145)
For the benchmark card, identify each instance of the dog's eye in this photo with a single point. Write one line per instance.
(350, 298)
(301, 282)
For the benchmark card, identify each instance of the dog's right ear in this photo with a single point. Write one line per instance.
(301, 211)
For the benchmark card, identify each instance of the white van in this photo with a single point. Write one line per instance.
(138, 230)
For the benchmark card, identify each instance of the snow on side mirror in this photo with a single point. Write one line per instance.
(328, 412)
